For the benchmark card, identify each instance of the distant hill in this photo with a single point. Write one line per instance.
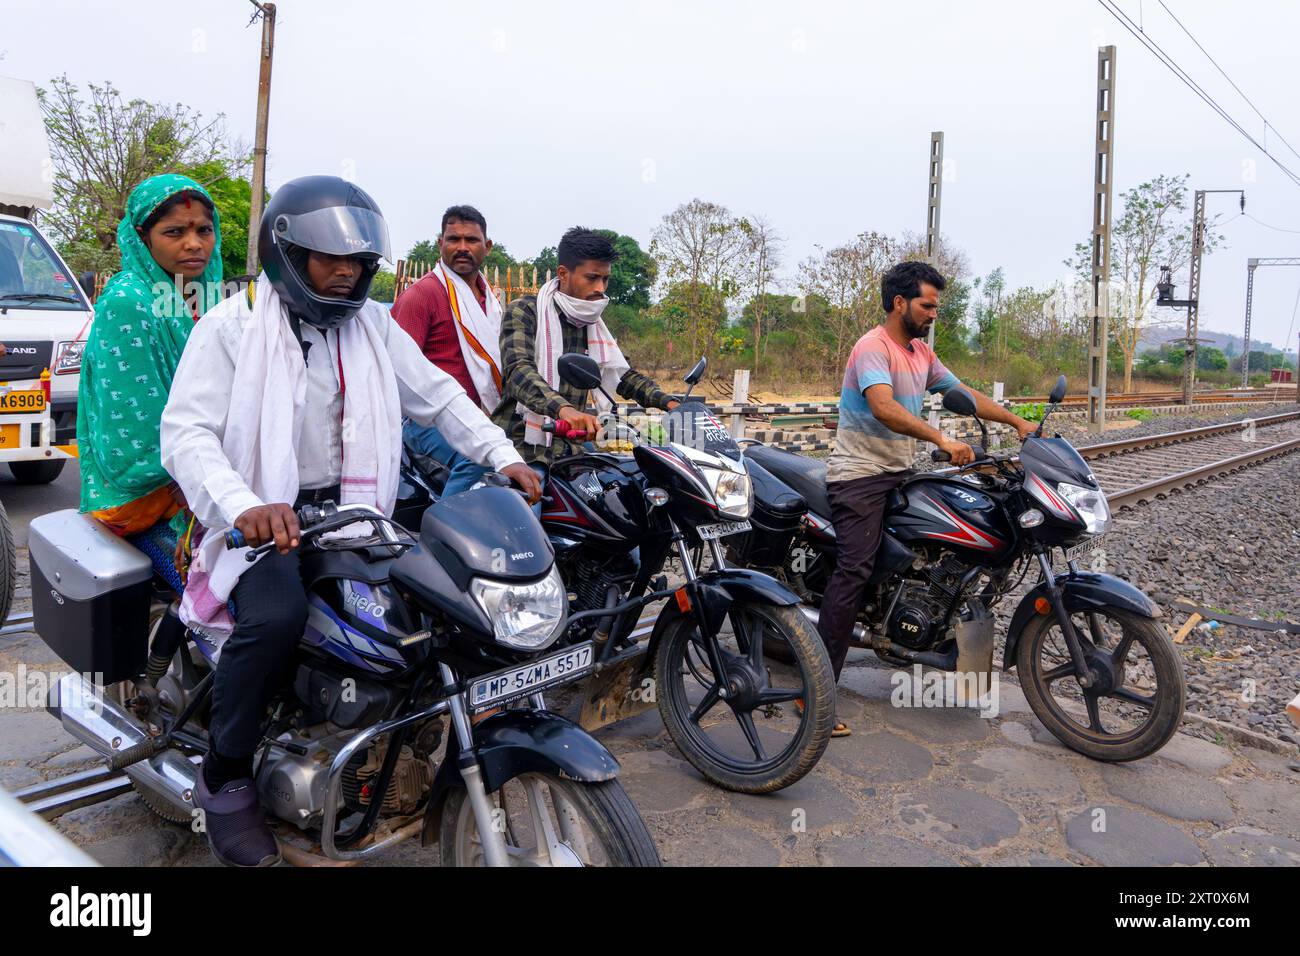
(1153, 338)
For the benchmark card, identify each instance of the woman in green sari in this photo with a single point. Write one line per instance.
(170, 241)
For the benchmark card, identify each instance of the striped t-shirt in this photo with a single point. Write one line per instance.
(863, 446)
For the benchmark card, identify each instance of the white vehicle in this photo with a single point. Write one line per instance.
(44, 312)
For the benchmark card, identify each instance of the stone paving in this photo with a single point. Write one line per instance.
(911, 786)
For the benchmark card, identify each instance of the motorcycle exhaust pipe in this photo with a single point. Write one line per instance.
(84, 713)
(974, 651)
(861, 636)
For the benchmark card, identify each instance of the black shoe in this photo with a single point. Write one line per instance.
(235, 823)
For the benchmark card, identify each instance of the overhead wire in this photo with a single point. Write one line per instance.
(1155, 49)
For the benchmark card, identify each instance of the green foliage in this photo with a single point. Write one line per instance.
(102, 147)
(633, 273)
(950, 332)
(383, 285)
(426, 250)
(233, 199)
(1023, 374)
(1139, 414)
(1030, 412)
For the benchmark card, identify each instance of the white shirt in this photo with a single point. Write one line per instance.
(194, 421)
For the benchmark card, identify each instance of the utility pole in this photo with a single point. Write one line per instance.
(267, 12)
(934, 193)
(1194, 287)
(1245, 335)
(1099, 289)
(1251, 266)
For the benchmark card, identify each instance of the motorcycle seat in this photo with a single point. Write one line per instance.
(805, 475)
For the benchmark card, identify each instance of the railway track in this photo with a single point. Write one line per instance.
(1135, 470)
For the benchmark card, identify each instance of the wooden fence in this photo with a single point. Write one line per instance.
(518, 281)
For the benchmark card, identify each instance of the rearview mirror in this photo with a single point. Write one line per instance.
(580, 371)
(1058, 391)
(694, 375)
(959, 402)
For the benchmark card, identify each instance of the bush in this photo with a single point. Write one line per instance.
(1032, 412)
(1139, 414)
(1023, 374)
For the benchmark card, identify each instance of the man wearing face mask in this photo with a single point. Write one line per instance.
(564, 316)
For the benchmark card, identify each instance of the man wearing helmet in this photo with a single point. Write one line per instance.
(291, 392)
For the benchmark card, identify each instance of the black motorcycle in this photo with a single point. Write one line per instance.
(615, 519)
(1095, 664)
(463, 620)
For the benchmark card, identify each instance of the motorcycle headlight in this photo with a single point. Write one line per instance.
(523, 616)
(1089, 502)
(732, 491)
(69, 357)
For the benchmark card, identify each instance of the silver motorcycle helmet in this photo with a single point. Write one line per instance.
(324, 214)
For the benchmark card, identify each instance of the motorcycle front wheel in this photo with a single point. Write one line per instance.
(549, 821)
(1137, 699)
(763, 723)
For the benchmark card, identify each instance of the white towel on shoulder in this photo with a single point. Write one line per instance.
(264, 425)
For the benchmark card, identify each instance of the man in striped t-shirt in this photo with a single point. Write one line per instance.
(889, 371)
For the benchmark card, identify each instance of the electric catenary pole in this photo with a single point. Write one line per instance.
(1251, 266)
(1099, 289)
(934, 193)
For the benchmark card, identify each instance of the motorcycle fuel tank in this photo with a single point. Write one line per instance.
(952, 513)
(596, 498)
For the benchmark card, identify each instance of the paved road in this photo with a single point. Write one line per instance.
(25, 502)
(911, 786)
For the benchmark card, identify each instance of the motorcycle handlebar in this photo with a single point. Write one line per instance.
(939, 455)
(562, 429)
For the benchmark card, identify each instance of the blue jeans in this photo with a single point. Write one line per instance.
(427, 440)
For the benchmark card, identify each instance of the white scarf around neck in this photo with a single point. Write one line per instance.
(549, 338)
(483, 325)
(264, 425)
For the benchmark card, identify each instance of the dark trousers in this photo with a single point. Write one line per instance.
(858, 514)
(270, 613)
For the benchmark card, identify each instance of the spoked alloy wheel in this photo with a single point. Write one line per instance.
(548, 821)
(1138, 694)
(743, 729)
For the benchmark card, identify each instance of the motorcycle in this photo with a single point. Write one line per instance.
(463, 619)
(615, 520)
(1095, 664)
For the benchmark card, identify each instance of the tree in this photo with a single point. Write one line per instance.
(1152, 232)
(633, 274)
(383, 286)
(698, 247)
(104, 147)
(760, 260)
(233, 199)
(426, 251)
(547, 262)
(848, 277)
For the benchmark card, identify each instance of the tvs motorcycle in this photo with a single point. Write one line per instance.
(615, 518)
(463, 620)
(1095, 664)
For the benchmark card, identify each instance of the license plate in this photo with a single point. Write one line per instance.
(515, 682)
(23, 401)
(10, 436)
(1084, 547)
(708, 532)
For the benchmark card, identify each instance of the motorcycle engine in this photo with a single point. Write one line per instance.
(923, 603)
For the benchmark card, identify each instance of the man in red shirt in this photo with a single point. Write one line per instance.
(455, 318)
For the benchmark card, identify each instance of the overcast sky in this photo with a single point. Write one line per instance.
(815, 115)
